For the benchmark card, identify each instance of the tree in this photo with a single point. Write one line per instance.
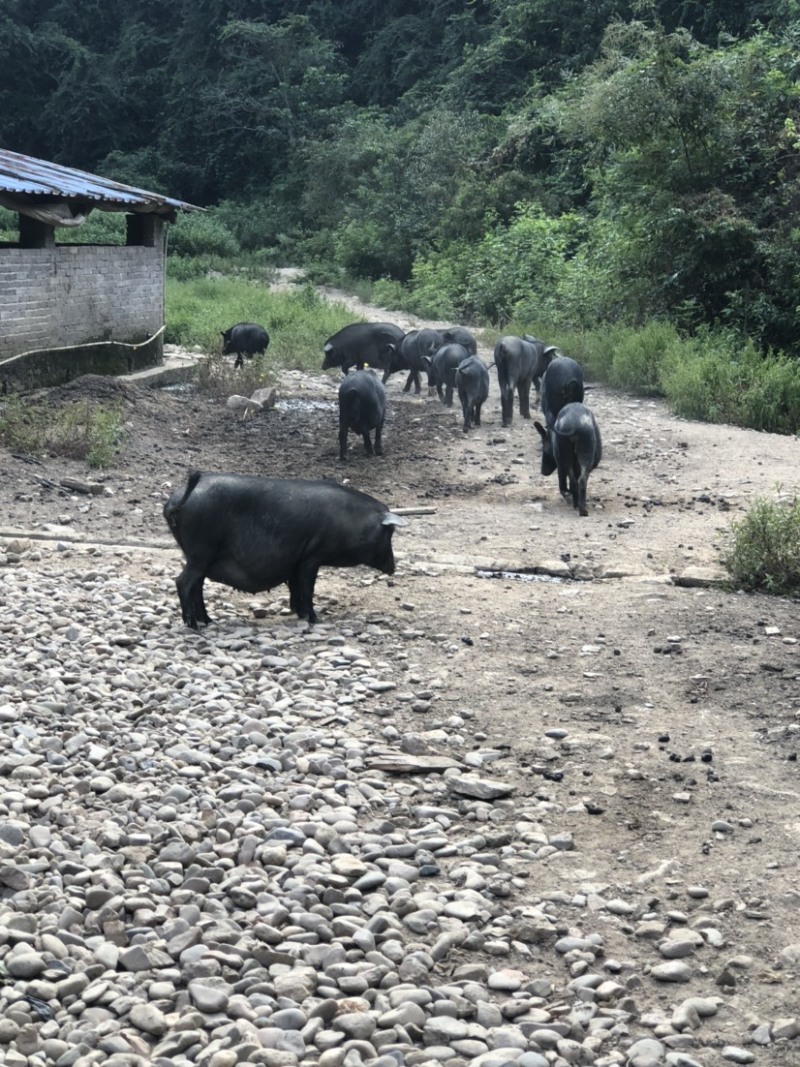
(681, 142)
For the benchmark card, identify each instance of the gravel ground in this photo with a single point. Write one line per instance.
(225, 851)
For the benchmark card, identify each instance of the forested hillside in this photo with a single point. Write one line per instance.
(489, 159)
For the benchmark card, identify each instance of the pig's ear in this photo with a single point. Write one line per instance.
(390, 519)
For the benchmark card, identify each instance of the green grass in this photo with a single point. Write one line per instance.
(765, 551)
(298, 322)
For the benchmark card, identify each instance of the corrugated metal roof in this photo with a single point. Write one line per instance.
(24, 175)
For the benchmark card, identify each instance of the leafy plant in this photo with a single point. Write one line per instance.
(202, 234)
(217, 377)
(765, 553)
(100, 228)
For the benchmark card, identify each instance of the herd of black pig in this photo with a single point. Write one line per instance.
(254, 533)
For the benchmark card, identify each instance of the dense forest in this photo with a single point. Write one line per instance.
(612, 162)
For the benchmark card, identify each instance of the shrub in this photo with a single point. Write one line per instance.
(201, 234)
(765, 554)
(101, 228)
(217, 377)
(9, 226)
(255, 224)
(637, 356)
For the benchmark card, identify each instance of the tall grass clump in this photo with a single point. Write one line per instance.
(765, 551)
(637, 356)
(718, 377)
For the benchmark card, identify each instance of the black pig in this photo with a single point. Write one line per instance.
(374, 343)
(572, 445)
(254, 533)
(244, 339)
(362, 409)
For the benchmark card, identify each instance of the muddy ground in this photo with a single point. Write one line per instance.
(681, 703)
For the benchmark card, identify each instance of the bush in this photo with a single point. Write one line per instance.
(9, 226)
(101, 228)
(255, 224)
(389, 294)
(765, 554)
(637, 356)
(217, 377)
(201, 234)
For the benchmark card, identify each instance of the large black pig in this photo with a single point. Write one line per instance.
(472, 383)
(362, 342)
(409, 354)
(520, 362)
(573, 447)
(442, 370)
(562, 384)
(254, 533)
(460, 335)
(244, 339)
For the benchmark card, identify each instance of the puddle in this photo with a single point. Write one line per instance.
(519, 576)
(179, 388)
(295, 404)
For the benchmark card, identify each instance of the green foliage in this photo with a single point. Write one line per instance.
(637, 356)
(201, 235)
(516, 270)
(102, 430)
(389, 294)
(589, 168)
(717, 377)
(101, 228)
(257, 223)
(80, 430)
(9, 227)
(692, 183)
(217, 377)
(765, 551)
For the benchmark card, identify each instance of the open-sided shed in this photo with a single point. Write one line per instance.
(68, 309)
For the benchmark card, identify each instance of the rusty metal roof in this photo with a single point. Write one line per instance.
(25, 176)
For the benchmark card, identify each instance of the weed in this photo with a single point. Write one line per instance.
(765, 553)
(78, 431)
(217, 377)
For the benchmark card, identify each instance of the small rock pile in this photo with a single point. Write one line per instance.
(209, 859)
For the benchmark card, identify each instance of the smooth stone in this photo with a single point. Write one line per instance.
(149, 1018)
(208, 999)
(734, 1054)
(25, 965)
(674, 971)
(646, 1052)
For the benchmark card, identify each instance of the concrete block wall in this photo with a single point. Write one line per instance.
(77, 294)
